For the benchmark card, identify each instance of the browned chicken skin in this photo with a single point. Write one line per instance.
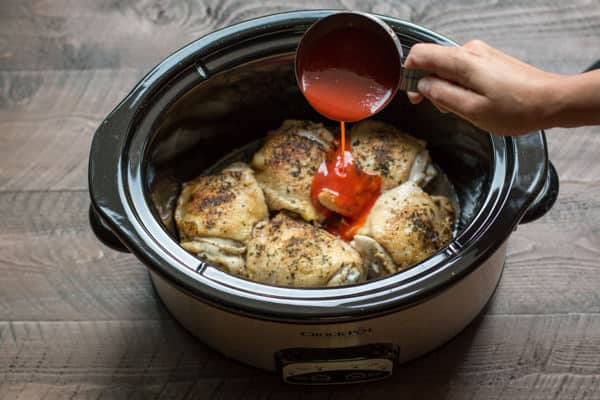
(383, 149)
(291, 252)
(224, 218)
(215, 215)
(287, 162)
(409, 224)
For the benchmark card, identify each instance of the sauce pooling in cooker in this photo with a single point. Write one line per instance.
(343, 191)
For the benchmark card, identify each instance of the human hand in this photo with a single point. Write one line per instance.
(492, 90)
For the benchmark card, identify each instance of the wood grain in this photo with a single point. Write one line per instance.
(497, 357)
(47, 120)
(552, 265)
(78, 320)
(67, 34)
(574, 154)
(54, 268)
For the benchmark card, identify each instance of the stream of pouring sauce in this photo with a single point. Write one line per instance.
(347, 76)
(352, 190)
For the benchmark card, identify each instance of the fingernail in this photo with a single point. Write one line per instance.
(413, 97)
(423, 85)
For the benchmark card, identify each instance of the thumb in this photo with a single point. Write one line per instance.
(450, 96)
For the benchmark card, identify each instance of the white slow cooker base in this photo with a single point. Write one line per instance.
(415, 330)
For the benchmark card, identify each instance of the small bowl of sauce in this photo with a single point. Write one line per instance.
(348, 66)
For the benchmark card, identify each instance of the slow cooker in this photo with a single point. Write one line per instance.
(228, 89)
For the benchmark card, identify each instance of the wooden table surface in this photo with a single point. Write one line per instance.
(78, 320)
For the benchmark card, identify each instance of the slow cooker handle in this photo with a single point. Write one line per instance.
(545, 199)
(104, 233)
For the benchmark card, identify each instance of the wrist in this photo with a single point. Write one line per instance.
(554, 99)
(574, 100)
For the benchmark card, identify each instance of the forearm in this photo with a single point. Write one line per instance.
(501, 94)
(574, 101)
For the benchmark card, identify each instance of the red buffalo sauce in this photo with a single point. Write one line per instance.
(352, 191)
(347, 75)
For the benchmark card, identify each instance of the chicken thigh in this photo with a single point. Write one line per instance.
(291, 252)
(286, 164)
(407, 225)
(397, 157)
(215, 215)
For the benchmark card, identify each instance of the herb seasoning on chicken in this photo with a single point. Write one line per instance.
(286, 164)
(289, 251)
(223, 218)
(215, 216)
